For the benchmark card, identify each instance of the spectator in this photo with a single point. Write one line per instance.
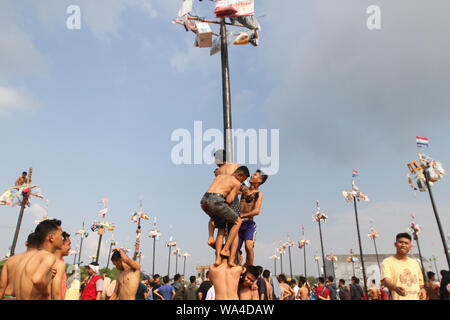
(344, 292)
(166, 291)
(322, 292)
(204, 287)
(191, 290)
(155, 284)
(262, 288)
(331, 286)
(356, 290)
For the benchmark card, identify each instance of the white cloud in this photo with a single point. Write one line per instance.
(18, 54)
(14, 99)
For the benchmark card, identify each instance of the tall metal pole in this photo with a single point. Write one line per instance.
(109, 256)
(81, 246)
(376, 253)
(304, 258)
(281, 262)
(323, 255)
(318, 268)
(176, 262)
(275, 266)
(154, 244)
(138, 231)
(101, 231)
(26, 195)
(184, 266)
(168, 265)
(290, 263)
(360, 248)
(441, 231)
(420, 255)
(353, 266)
(19, 222)
(226, 95)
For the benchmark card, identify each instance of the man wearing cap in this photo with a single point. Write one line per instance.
(94, 285)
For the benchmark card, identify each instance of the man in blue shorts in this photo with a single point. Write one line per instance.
(250, 206)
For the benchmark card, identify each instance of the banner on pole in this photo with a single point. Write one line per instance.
(234, 8)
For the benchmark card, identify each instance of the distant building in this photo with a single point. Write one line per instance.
(342, 269)
(201, 272)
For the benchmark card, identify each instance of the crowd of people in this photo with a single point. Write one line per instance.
(39, 273)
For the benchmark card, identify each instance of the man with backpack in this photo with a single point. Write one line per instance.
(355, 289)
(344, 292)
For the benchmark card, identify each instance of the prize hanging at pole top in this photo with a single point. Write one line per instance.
(426, 165)
(241, 13)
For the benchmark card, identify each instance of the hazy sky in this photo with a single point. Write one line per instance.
(93, 111)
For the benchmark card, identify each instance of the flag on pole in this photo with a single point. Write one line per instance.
(354, 173)
(422, 141)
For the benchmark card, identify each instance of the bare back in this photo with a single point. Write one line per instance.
(9, 270)
(127, 284)
(227, 168)
(225, 281)
(226, 185)
(248, 293)
(34, 270)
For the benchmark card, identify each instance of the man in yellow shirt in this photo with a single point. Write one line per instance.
(401, 274)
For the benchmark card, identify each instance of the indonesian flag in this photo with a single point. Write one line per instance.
(422, 141)
(103, 211)
(354, 173)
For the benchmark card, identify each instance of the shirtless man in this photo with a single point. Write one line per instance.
(248, 290)
(59, 283)
(227, 168)
(225, 280)
(127, 281)
(303, 292)
(251, 200)
(36, 271)
(21, 180)
(9, 268)
(286, 290)
(215, 203)
(374, 292)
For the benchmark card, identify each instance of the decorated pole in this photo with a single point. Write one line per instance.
(319, 216)
(438, 220)
(302, 244)
(171, 243)
(154, 234)
(352, 259)
(281, 251)
(83, 233)
(360, 248)
(415, 230)
(333, 259)
(113, 243)
(373, 235)
(185, 255)
(317, 258)
(101, 229)
(136, 218)
(274, 258)
(289, 244)
(353, 195)
(422, 177)
(25, 196)
(226, 95)
(177, 253)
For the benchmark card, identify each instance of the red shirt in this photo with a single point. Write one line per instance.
(90, 290)
(325, 294)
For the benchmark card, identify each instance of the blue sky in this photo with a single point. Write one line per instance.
(93, 110)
